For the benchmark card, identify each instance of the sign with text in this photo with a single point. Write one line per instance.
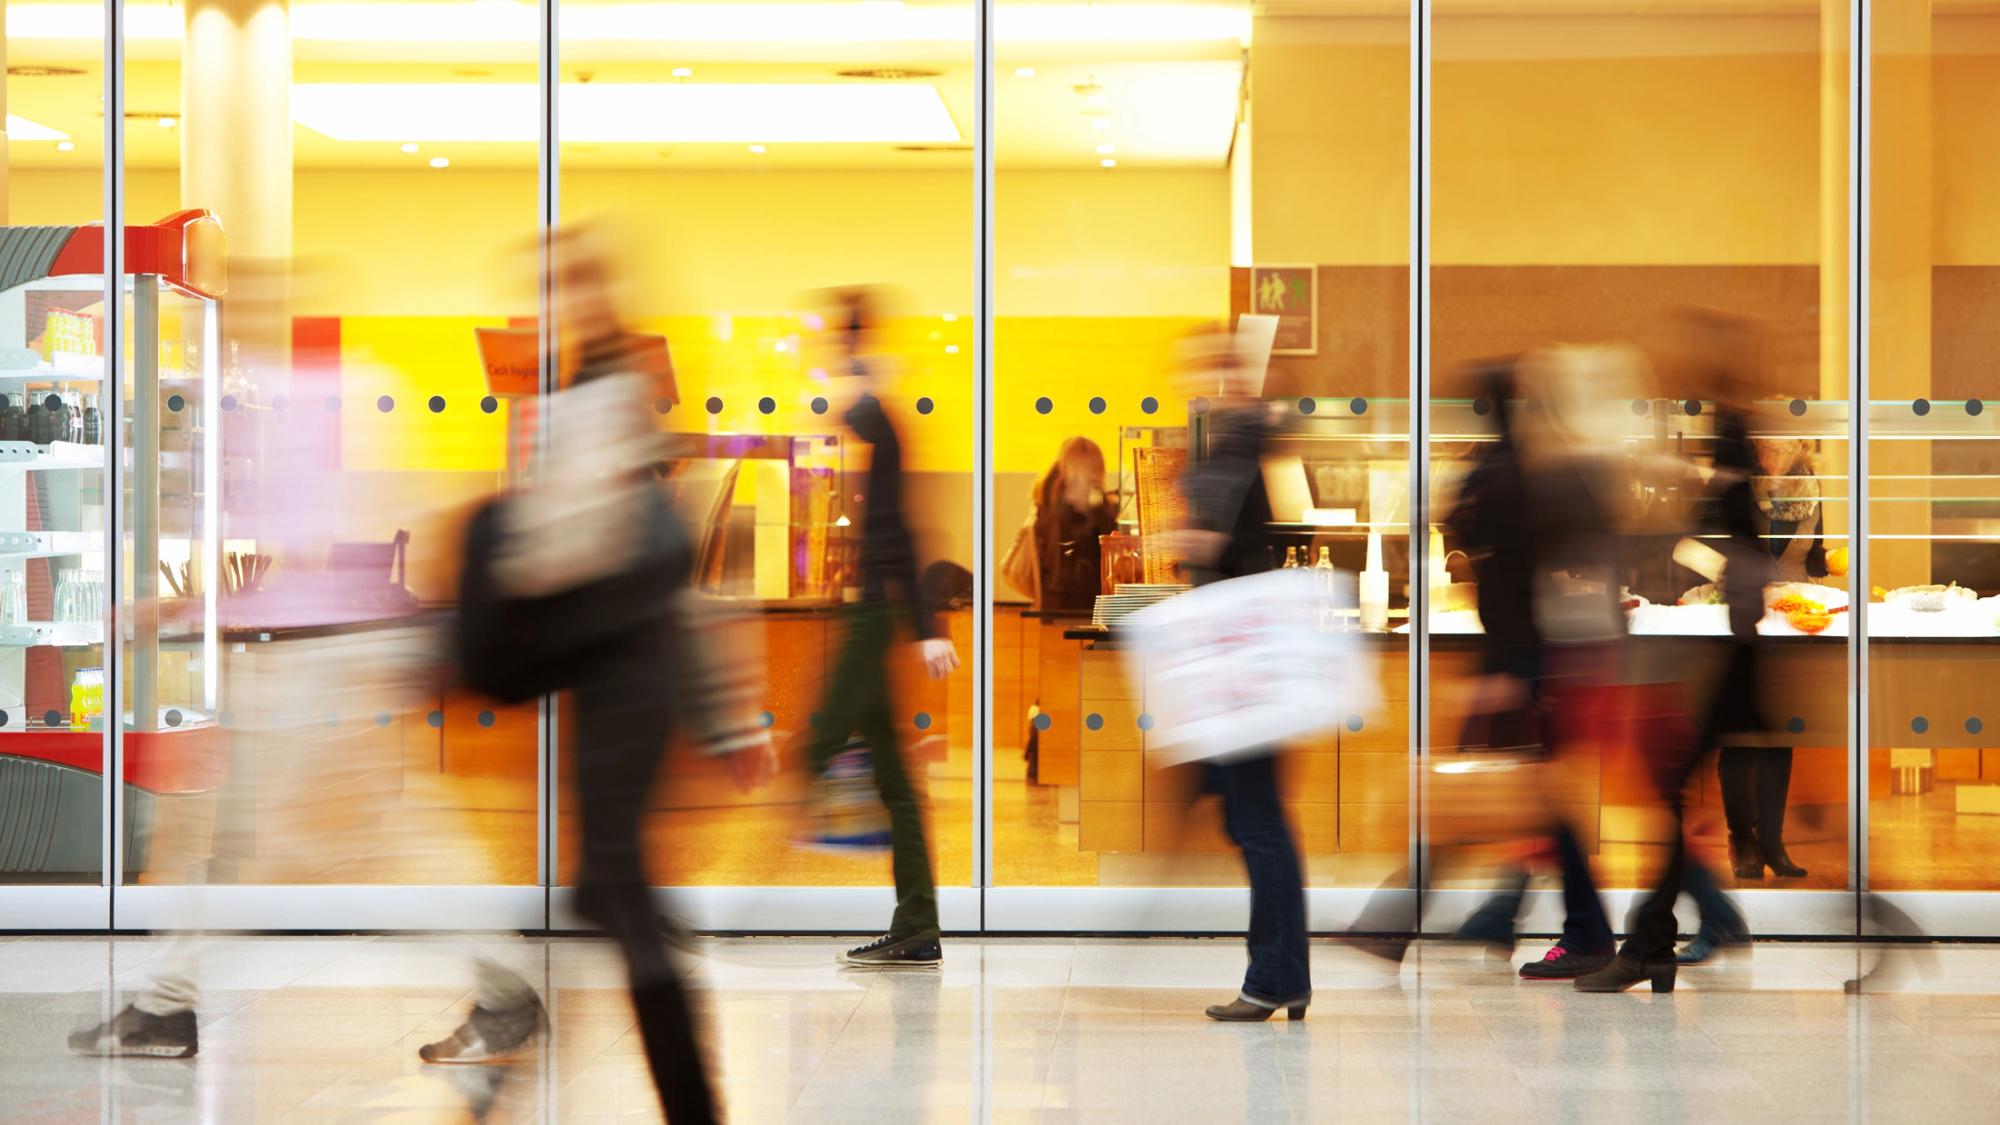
(512, 359)
(1291, 294)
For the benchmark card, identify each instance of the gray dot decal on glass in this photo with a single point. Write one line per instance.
(1639, 407)
(52, 718)
(382, 718)
(1094, 721)
(1692, 406)
(1043, 721)
(1480, 406)
(53, 402)
(173, 718)
(488, 404)
(385, 404)
(1358, 406)
(923, 720)
(435, 719)
(767, 405)
(436, 404)
(1796, 725)
(3, 718)
(487, 718)
(767, 720)
(1798, 408)
(1096, 405)
(1149, 404)
(1974, 407)
(1307, 406)
(175, 403)
(1145, 721)
(1920, 724)
(229, 404)
(281, 404)
(1354, 722)
(925, 405)
(714, 405)
(819, 406)
(662, 404)
(333, 404)
(1921, 407)
(1043, 405)
(1974, 726)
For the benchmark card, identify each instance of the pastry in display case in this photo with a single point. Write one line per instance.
(67, 407)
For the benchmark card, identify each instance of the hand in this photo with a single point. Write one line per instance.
(753, 767)
(939, 655)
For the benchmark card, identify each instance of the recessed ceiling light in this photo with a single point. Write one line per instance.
(758, 149)
(1102, 122)
(65, 146)
(1024, 72)
(629, 113)
(440, 162)
(169, 122)
(1107, 162)
(409, 146)
(683, 72)
(1106, 150)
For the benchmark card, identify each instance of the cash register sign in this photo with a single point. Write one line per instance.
(1239, 668)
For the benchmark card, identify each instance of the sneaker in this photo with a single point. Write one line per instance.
(1564, 963)
(488, 1036)
(133, 1032)
(891, 952)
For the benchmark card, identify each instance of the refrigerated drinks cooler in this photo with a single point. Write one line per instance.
(65, 408)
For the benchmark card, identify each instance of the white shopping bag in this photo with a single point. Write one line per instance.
(1238, 668)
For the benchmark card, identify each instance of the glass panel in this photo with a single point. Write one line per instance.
(1640, 219)
(750, 165)
(1934, 542)
(53, 463)
(1160, 173)
(304, 449)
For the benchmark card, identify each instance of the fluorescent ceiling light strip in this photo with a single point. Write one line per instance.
(508, 21)
(22, 129)
(691, 112)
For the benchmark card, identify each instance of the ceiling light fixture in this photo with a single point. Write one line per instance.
(1107, 162)
(409, 146)
(683, 72)
(1024, 72)
(758, 149)
(440, 162)
(65, 146)
(610, 112)
(22, 129)
(168, 122)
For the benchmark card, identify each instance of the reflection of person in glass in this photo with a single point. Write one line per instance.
(858, 699)
(1071, 511)
(1228, 536)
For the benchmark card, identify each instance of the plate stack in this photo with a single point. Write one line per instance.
(1130, 598)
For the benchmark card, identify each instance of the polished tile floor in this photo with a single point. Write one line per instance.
(326, 1028)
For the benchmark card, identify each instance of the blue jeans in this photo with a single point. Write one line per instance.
(1256, 822)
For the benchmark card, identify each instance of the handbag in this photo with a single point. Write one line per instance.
(1022, 566)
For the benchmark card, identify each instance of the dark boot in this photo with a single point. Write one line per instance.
(1774, 787)
(1745, 859)
(1623, 972)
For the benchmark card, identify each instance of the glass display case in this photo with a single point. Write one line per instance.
(67, 412)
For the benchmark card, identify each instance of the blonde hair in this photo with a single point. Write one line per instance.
(1079, 456)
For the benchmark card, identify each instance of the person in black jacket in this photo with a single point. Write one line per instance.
(1228, 537)
(857, 697)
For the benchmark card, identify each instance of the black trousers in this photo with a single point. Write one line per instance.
(623, 717)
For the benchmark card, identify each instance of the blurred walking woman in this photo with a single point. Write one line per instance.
(1227, 537)
(1071, 511)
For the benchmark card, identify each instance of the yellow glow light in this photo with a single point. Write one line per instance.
(22, 129)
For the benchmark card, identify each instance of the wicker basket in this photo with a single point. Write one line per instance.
(1162, 508)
